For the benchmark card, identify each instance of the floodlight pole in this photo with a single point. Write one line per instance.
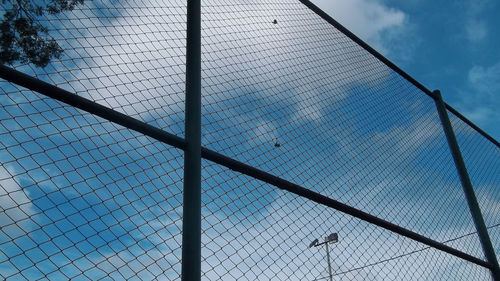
(329, 264)
(332, 238)
(191, 211)
(475, 211)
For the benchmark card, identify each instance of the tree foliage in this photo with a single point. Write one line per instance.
(22, 37)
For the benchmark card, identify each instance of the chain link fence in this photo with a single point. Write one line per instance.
(283, 91)
(483, 162)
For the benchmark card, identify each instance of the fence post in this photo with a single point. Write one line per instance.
(191, 221)
(488, 250)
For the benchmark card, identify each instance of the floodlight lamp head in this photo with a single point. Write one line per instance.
(313, 243)
(332, 238)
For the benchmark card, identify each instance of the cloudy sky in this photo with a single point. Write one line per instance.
(82, 198)
(448, 45)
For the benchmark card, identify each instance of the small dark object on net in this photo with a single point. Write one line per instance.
(275, 21)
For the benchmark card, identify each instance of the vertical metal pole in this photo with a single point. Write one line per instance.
(329, 264)
(191, 222)
(488, 250)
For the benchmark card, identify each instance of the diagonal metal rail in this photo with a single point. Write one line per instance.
(111, 115)
(392, 66)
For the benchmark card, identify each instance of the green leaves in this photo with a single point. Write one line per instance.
(57, 6)
(23, 38)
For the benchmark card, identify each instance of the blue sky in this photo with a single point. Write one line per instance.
(84, 198)
(448, 45)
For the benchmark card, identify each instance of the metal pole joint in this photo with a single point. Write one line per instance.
(191, 221)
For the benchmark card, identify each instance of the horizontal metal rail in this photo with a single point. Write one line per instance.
(391, 65)
(89, 106)
(106, 113)
(329, 202)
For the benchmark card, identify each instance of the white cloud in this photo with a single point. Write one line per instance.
(295, 62)
(265, 132)
(480, 101)
(128, 58)
(16, 209)
(486, 79)
(475, 28)
(274, 66)
(136, 63)
(489, 201)
(276, 246)
(367, 19)
(409, 139)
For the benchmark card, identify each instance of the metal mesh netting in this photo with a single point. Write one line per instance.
(283, 91)
(302, 101)
(128, 55)
(82, 198)
(483, 164)
(252, 231)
